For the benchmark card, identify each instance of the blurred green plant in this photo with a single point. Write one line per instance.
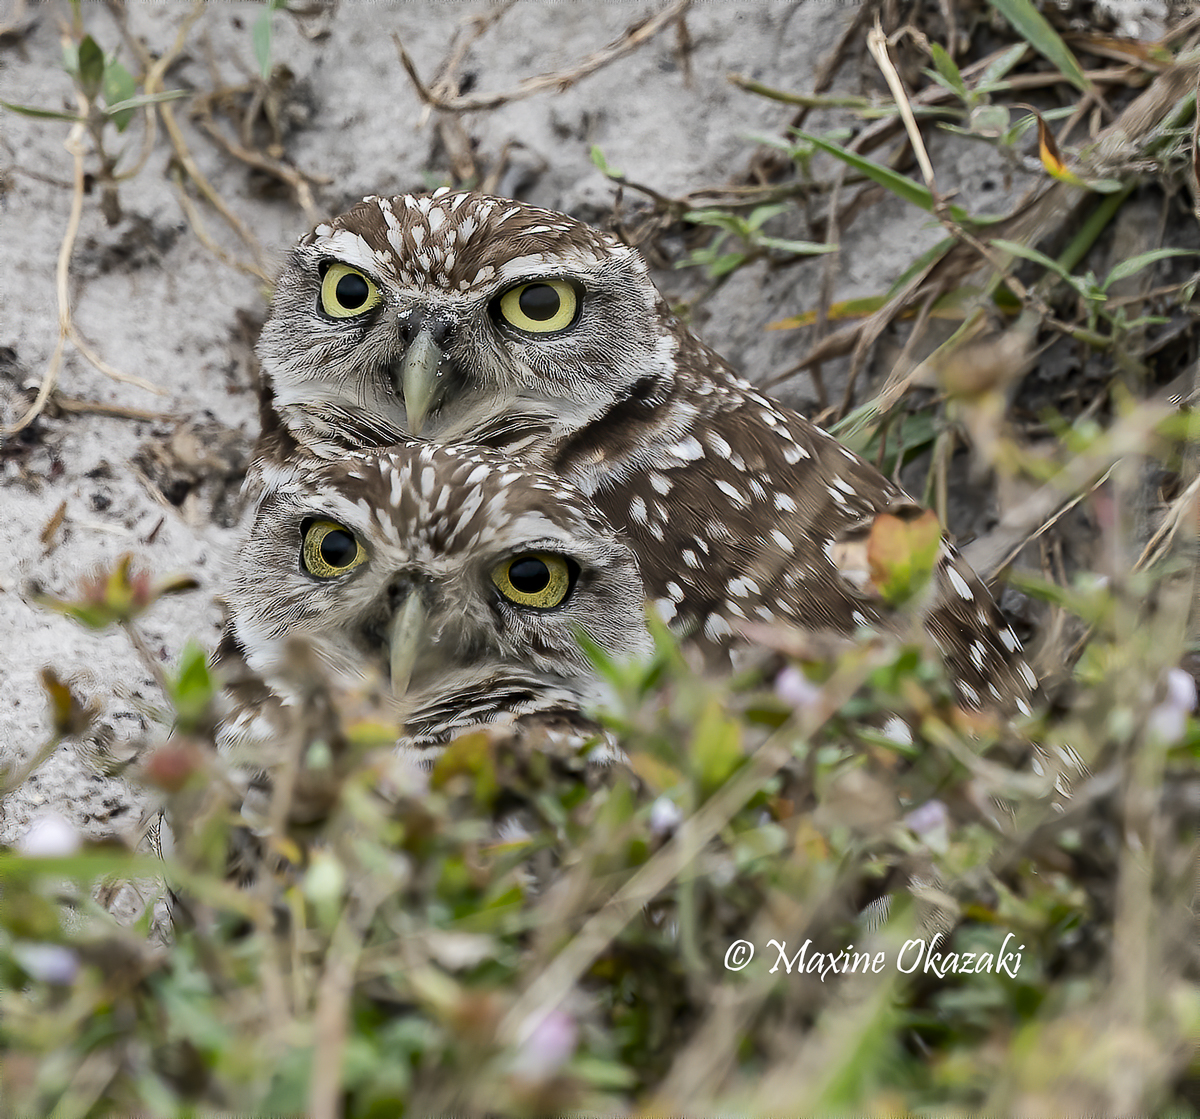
(755, 244)
(262, 34)
(106, 93)
(524, 930)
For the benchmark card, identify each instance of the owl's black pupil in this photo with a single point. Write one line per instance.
(352, 291)
(539, 302)
(338, 548)
(529, 575)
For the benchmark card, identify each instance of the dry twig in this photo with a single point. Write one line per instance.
(634, 36)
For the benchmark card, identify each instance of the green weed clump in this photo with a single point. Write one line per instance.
(823, 885)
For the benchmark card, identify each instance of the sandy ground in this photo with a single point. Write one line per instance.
(156, 303)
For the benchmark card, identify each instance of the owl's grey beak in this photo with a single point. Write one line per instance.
(404, 641)
(422, 380)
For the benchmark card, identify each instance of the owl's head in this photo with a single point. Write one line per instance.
(461, 577)
(459, 317)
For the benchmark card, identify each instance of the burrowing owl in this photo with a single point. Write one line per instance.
(470, 319)
(455, 575)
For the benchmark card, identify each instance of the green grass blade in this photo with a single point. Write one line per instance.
(1032, 25)
(900, 185)
(146, 99)
(1143, 260)
(1027, 253)
(45, 114)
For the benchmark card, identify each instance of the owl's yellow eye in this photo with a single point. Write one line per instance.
(536, 579)
(541, 307)
(330, 549)
(346, 292)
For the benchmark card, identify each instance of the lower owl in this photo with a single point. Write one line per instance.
(460, 579)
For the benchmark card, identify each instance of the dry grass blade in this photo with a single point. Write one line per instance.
(74, 145)
(62, 287)
(476, 27)
(804, 100)
(634, 37)
(72, 406)
(1194, 170)
(297, 181)
(332, 1016)
(156, 69)
(877, 44)
(1043, 209)
(1182, 512)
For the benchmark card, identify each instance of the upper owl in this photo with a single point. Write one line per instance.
(455, 576)
(471, 319)
(457, 317)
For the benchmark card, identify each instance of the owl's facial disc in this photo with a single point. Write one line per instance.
(425, 377)
(410, 633)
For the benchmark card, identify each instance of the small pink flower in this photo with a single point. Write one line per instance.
(928, 818)
(51, 963)
(665, 815)
(1181, 689)
(548, 1047)
(796, 689)
(1168, 721)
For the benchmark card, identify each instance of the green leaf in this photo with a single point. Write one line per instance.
(763, 214)
(716, 748)
(115, 596)
(917, 433)
(87, 865)
(901, 554)
(1089, 599)
(1032, 26)
(722, 219)
(725, 263)
(900, 185)
(44, 114)
(261, 36)
(605, 168)
(994, 74)
(801, 248)
(1106, 186)
(1142, 260)
(948, 69)
(91, 67)
(145, 99)
(1027, 253)
(193, 688)
(119, 87)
